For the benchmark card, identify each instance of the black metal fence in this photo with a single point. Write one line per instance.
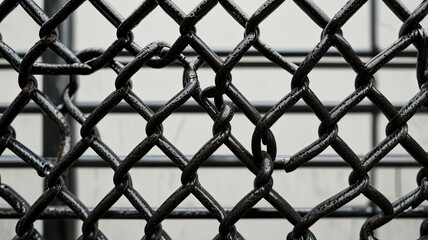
(53, 58)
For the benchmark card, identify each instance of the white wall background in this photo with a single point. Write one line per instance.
(287, 28)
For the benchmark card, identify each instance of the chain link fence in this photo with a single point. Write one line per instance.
(53, 57)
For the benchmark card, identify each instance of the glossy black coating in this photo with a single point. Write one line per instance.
(220, 102)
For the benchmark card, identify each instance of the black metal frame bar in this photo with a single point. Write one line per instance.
(53, 86)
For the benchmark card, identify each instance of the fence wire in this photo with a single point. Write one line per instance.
(259, 158)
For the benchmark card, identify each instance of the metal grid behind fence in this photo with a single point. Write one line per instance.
(209, 122)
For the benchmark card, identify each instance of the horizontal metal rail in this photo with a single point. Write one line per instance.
(193, 107)
(52, 212)
(226, 161)
(254, 59)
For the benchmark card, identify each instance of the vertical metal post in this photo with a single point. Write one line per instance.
(375, 114)
(374, 50)
(373, 27)
(53, 86)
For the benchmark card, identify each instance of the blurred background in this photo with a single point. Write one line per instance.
(288, 30)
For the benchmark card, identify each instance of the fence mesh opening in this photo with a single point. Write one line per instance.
(213, 119)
